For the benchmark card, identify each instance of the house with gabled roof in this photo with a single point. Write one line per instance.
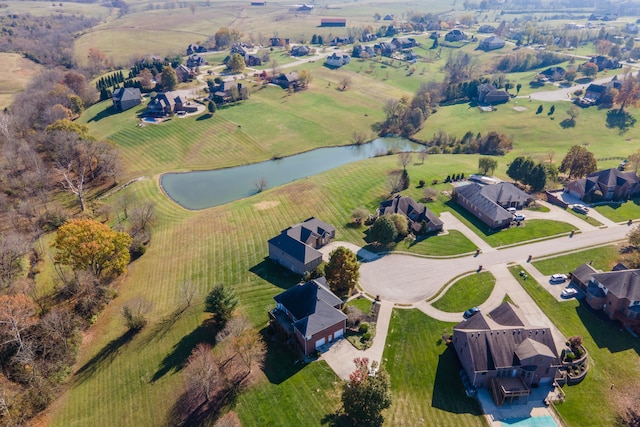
(336, 60)
(554, 73)
(420, 219)
(489, 203)
(286, 81)
(488, 94)
(125, 97)
(455, 36)
(184, 73)
(504, 352)
(296, 247)
(616, 293)
(310, 314)
(608, 184)
(491, 43)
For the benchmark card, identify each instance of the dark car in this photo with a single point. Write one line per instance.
(471, 312)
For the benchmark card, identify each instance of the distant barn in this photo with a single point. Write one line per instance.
(333, 22)
(258, 3)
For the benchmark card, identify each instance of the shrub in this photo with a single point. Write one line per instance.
(364, 327)
(421, 183)
(366, 336)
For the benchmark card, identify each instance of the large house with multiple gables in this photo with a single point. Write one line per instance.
(125, 98)
(309, 314)
(420, 219)
(504, 352)
(608, 184)
(296, 247)
(489, 203)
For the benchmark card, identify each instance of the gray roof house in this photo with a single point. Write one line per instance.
(489, 203)
(287, 80)
(504, 352)
(337, 60)
(311, 313)
(125, 98)
(417, 214)
(608, 184)
(296, 248)
(488, 94)
(455, 36)
(491, 43)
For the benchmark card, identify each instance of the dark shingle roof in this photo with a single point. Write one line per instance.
(410, 208)
(505, 315)
(488, 198)
(126, 94)
(583, 273)
(293, 240)
(295, 248)
(622, 284)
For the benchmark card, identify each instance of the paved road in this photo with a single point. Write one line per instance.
(563, 94)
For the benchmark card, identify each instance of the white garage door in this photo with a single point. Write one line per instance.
(337, 334)
(320, 343)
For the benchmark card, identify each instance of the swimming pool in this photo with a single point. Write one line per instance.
(543, 421)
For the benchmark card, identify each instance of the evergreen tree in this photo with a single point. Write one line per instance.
(342, 271)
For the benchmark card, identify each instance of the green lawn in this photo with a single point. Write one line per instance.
(425, 385)
(613, 357)
(361, 303)
(621, 212)
(604, 258)
(586, 218)
(452, 243)
(531, 229)
(470, 291)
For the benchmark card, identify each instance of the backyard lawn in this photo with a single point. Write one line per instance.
(469, 291)
(621, 212)
(614, 361)
(604, 258)
(425, 385)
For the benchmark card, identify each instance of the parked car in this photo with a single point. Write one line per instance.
(569, 292)
(519, 217)
(580, 209)
(471, 312)
(558, 277)
(511, 210)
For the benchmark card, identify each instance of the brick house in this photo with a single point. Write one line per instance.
(489, 203)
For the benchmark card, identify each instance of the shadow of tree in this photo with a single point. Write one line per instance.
(568, 123)
(204, 117)
(164, 326)
(107, 112)
(336, 420)
(175, 360)
(104, 356)
(275, 274)
(621, 120)
(448, 391)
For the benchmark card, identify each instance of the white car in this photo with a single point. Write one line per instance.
(558, 277)
(511, 210)
(519, 217)
(569, 292)
(580, 209)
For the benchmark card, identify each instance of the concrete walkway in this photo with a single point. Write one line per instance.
(451, 222)
(341, 354)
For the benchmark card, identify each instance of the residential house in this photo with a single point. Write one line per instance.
(286, 81)
(386, 49)
(486, 29)
(388, 17)
(608, 184)
(554, 74)
(226, 91)
(167, 103)
(296, 247)
(420, 219)
(594, 92)
(505, 353)
(311, 313)
(339, 41)
(616, 293)
(277, 41)
(404, 43)
(491, 43)
(125, 98)
(359, 49)
(305, 8)
(300, 50)
(243, 50)
(195, 61)
(184, 73)
(333, 22)
(488, 94)
(455, 36)
(489, 203)
(368, 37)
(194, 48)
(604, 63)
(239, 48)
(337, 60)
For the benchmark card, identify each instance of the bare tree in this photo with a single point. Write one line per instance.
(274, 67)
(135, 313)
(234, 329)
(141, 217)
(251, 348)
(260, 185)
(394, 180)
(123, 203)
(203, 375)
(430, 194)
(359, 138)
(187, 291)
(345, 83)
(13, 248)
(423, 155)
(17, 313)
(404, 159)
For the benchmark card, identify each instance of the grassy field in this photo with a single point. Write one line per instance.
(604, 258)
(470, 291)
(452, 243)
(362, 304)
(18, 73)
(425, 385)
(613, 357)
(621, 212)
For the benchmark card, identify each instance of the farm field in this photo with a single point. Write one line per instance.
(19, 72)
(613, 372)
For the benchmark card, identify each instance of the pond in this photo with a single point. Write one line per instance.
(204, 189)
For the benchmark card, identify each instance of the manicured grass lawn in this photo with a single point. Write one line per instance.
(532, 228)
(613, 357)
(621, 212)
(470, 291)
(586, 218)
(452, 243)
(604, 258)
(362, 304)
(424, 375)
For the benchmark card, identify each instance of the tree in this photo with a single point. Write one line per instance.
(401, 223)
(359, 215)
(423, 155)
(17, 314)
(634, 161)
(168, 78)
(304, 78)
(223, 38)
(629, 92)
(383, 231)
(430, 194)
(236, 63)
(589, 69)
(573, 112)
(135, 313)
(345, 83)
(537, 179)
(146, 78)
(221, 301)
(578, 162)
(203, 374)
(634, 237)
(274, 67)
(404, 159)
(342, 271)
(85, 244)
(211, 107)
(13, 248)
(518, 87)
(365, 396)
(487, 165)
(141, 217)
